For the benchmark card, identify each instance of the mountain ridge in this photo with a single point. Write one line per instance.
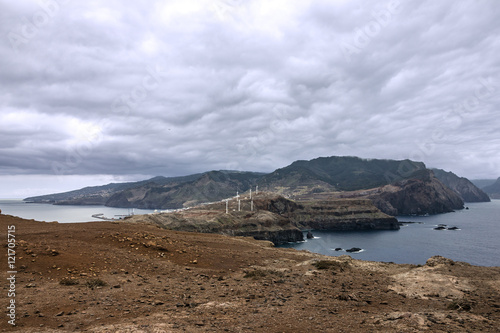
(334, 174)
(464, 187)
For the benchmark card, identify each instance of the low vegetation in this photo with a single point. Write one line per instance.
(69, 282)
(334, 265)
(94, 283)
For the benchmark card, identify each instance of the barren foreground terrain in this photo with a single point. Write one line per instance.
(130, 277)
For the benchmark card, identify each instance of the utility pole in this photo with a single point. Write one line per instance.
(250, 194)
(251, 205)
(227, 206)
(239, 205)
(257, 189)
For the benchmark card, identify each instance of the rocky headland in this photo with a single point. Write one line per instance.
(274, 218)
(422, 194)
(136, 277)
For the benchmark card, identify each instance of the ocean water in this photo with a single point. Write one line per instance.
(62, 214)
(477, 241)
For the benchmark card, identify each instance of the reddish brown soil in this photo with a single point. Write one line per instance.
(163, 281)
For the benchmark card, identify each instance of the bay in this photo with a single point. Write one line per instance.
(63, 214)
(477, 241)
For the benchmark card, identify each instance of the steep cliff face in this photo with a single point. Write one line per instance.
(423, 194)
(465, 188)
(274, 218)
(343, 214)
(331, 214)
(260, 224)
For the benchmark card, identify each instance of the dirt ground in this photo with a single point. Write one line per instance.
(124, 277)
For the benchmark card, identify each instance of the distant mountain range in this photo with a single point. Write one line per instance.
(321, 176)
(493, 190)
(482, 183)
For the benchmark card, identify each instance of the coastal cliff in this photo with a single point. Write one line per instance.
(330, 214)
(260, 224)
(343, 215)
(422, 194)
(274, 218)
(464, 187)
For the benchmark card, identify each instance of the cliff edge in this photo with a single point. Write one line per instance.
(268, 216)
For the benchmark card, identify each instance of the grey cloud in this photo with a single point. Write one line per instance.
(173, 88)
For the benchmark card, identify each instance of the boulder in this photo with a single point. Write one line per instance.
(354, 249)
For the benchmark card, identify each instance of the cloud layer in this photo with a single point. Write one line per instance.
(177, 87)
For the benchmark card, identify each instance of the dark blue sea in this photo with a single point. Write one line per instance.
(477, 241)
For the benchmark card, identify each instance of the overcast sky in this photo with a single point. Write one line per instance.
(99, 91)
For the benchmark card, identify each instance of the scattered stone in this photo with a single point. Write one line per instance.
(59, 314)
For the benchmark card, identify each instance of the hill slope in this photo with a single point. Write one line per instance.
(493, 190)
(98, 195)
(210, 186)
(338, 173)
(464, 187)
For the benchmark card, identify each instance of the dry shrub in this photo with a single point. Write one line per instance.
(93, 283)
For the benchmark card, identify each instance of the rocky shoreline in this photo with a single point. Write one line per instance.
(274, 218)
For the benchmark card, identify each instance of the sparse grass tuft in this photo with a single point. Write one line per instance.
(460, 305)
(93, 283)
(335, 265)
(260, 273)
(69, 282)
